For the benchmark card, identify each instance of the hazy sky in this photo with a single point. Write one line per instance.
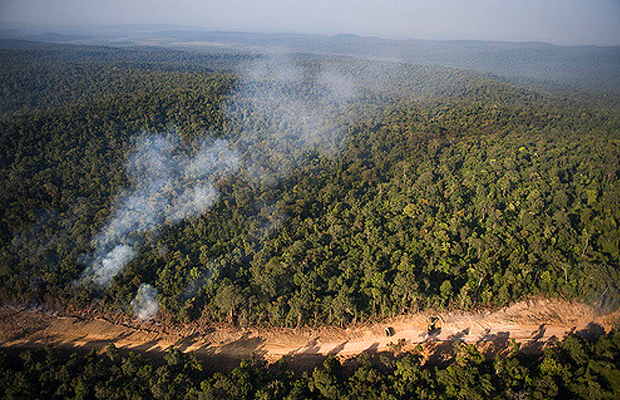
(555, 21)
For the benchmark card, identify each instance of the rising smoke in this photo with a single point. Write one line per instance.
(145, 304)
(168, 185)
(284, 110)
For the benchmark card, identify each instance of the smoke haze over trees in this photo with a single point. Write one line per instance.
(315, 189)
(167, 187)
(292, 189)
(210, 178)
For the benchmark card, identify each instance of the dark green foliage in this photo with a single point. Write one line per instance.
(433, 205)
(38, 76)
(449, 191)
(574, 368)
(61, 171)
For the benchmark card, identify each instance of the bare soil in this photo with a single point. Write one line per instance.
(532, 324)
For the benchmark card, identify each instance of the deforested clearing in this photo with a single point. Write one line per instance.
(533, 324)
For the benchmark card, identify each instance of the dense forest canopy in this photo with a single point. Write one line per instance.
(534, 63)
(364, 189)
(297, 190)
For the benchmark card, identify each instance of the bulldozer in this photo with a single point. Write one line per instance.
(434, 325)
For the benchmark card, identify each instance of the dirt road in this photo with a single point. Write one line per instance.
(530, 323)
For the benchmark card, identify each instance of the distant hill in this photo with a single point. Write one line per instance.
(590, 67)
(534, 63)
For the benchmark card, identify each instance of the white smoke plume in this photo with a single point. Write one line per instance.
(284, 108)
(111, 263)
(287, 107)
(145, 304)
(167, 186)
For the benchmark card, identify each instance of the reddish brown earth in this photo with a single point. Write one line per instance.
(532, 324)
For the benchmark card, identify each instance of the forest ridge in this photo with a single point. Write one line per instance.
(447, 189)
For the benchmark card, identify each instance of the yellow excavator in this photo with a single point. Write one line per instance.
(434, 325)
